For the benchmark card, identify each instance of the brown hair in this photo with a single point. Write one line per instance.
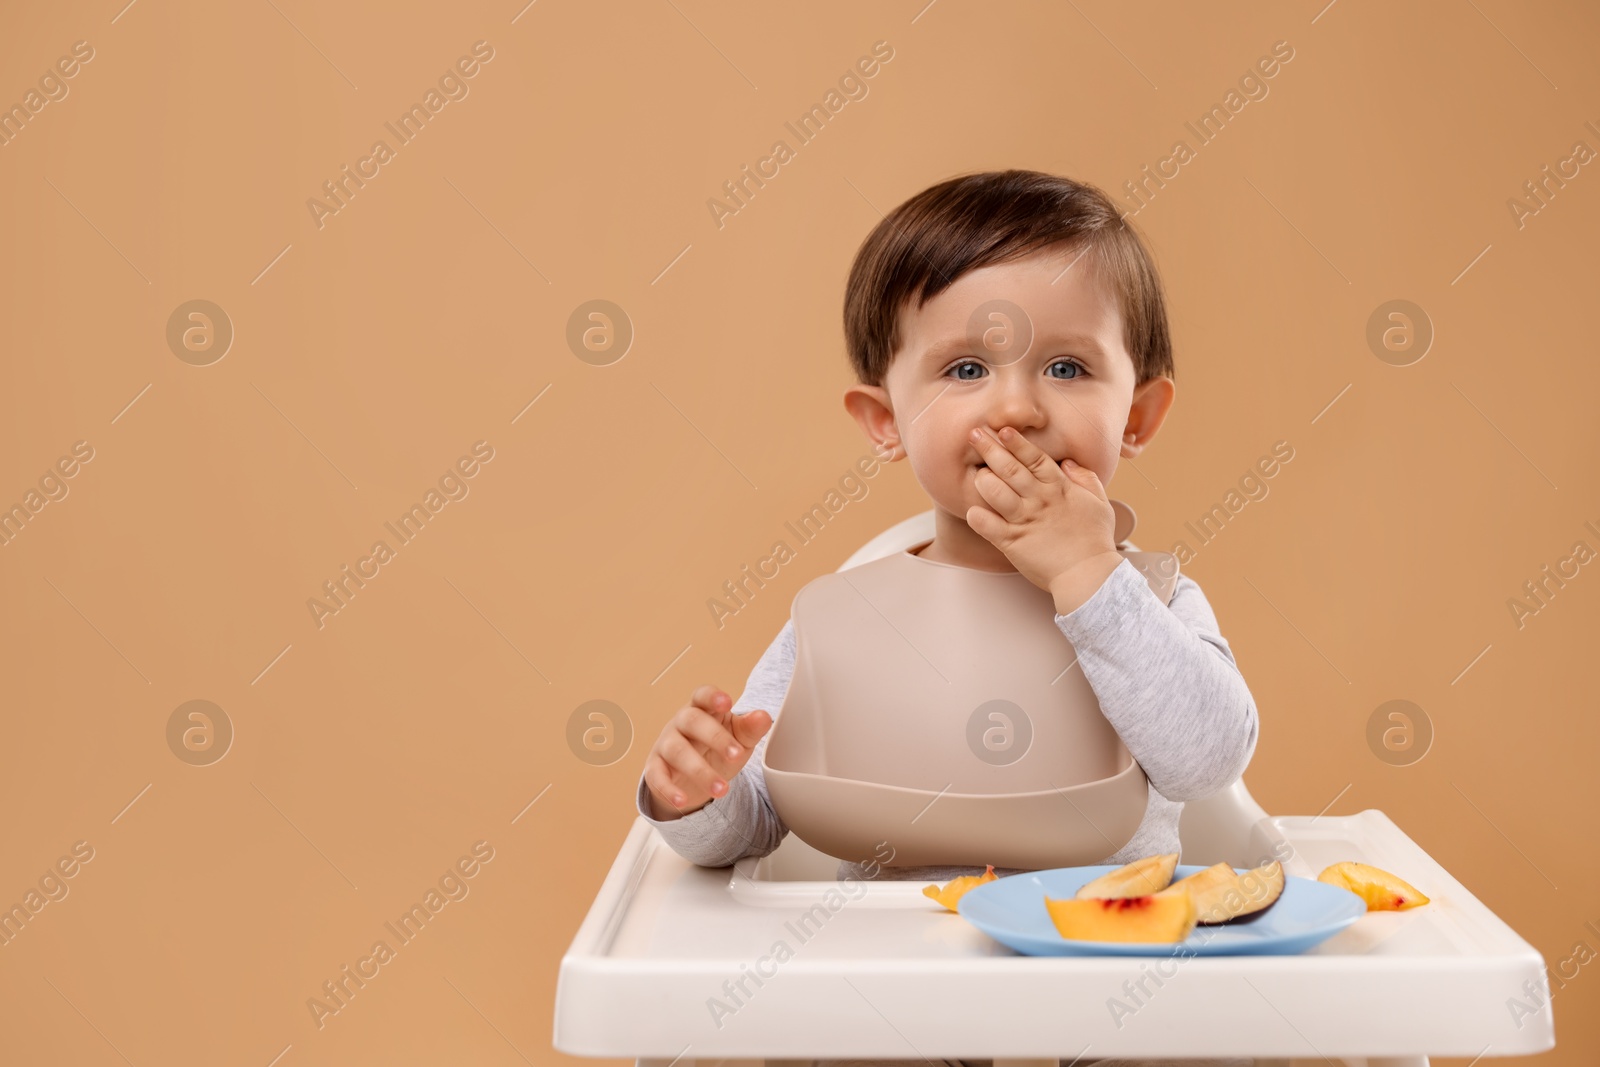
(976, 220)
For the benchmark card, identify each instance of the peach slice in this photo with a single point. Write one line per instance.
(957, 887)
(1141, 878)
(1165, 916)
(1222, 894)
(1381, 890)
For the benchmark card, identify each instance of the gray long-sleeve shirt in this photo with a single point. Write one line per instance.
(1165, 679)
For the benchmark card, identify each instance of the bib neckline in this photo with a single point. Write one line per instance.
(911, 553)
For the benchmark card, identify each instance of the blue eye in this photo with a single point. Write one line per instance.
(956, 370)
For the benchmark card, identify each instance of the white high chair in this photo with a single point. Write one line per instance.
(676, 964)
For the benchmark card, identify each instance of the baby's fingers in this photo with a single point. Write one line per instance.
(711, 699)
(712, 737)
(661, 781)
(751, 727)
(1029, 454)
(1085, 477)
(691, 767)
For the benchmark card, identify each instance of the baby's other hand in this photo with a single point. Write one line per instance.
(699, 749)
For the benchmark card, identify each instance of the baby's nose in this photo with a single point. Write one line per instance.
(1017, 407)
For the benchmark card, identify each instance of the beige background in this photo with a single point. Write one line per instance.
(426, 315)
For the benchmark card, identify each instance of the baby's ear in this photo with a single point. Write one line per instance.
(869, 405)
(1152, 400)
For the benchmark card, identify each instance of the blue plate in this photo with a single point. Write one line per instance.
(1011, 910)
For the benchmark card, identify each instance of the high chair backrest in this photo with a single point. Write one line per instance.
(1219, 828)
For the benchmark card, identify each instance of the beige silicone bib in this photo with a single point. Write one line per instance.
(939, 709)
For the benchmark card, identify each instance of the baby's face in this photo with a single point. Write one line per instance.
(1068, 391)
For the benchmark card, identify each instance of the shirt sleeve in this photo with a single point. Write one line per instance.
(1167, 681)
(742, 822)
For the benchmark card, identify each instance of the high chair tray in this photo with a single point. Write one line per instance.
(837, 969)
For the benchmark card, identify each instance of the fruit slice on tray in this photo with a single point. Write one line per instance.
(956, 887)
(1167, 915)
(1221, 894)
(1381, 890)
(1141, 878)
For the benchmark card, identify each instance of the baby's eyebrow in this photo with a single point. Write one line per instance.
(1076, 340)
(948, 349)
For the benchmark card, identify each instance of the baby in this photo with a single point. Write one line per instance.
(1014, 438)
